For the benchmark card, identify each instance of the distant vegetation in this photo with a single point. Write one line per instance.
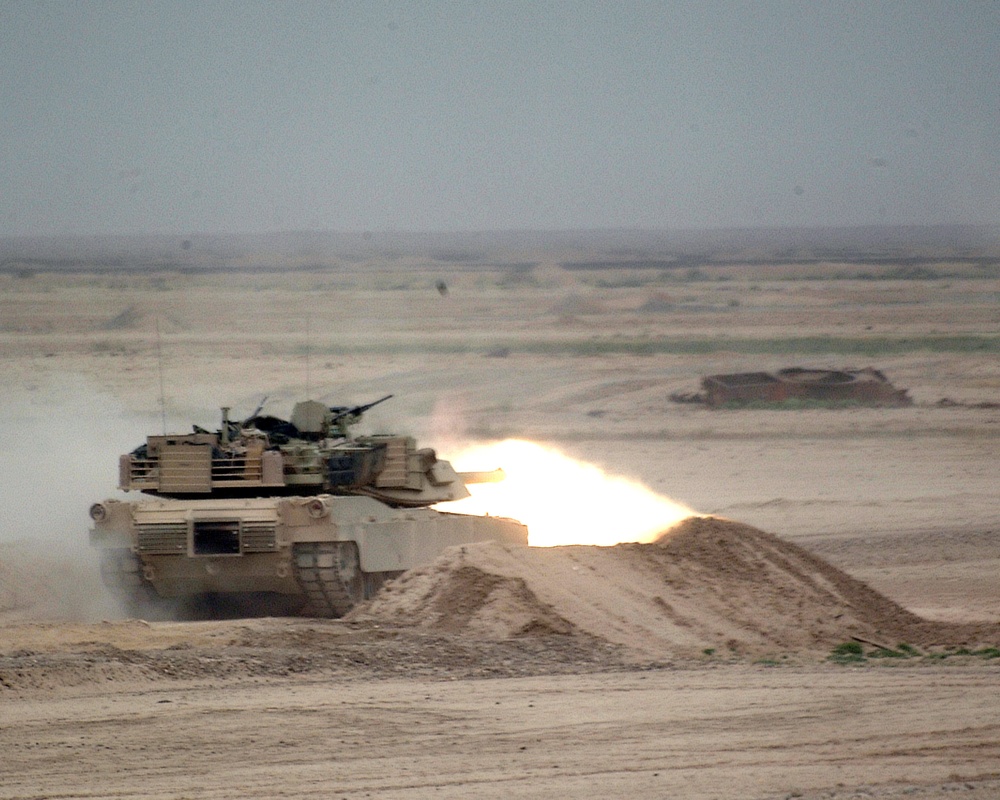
(855, 653)
(809, 345)
(805, 345)
(899, 266)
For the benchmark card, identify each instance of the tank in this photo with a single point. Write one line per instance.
(288, 516)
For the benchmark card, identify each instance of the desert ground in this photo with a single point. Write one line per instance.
(826, 625)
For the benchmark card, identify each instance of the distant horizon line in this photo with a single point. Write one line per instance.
(371, 233)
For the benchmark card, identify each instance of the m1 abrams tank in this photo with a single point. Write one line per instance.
(293, 510)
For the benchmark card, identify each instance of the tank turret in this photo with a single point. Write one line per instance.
(312, 452)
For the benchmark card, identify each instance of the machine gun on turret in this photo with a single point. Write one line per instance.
(343, 416)
(312, 420)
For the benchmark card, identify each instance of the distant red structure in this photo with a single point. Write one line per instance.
(863, 386)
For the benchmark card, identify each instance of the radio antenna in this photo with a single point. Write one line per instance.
(308, 347)
(159, 364)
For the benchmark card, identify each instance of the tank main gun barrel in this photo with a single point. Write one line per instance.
(489, 476)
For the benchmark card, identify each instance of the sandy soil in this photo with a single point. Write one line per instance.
(698, 665)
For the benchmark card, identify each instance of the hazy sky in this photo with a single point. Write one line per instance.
(185, 117)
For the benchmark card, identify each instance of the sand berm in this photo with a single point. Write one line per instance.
(708, 583)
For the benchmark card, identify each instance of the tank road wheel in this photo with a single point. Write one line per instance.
(121, 573)
(330, 576)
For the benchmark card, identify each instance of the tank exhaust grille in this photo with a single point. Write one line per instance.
(259, 537)
(162, 538)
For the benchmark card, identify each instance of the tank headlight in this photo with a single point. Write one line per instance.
(317, 508)
(98, 512)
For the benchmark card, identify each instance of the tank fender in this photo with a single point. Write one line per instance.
(329, 518)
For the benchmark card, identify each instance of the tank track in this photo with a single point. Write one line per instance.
(330, 577)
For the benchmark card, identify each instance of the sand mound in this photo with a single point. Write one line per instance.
(707, 583)
(467, 590)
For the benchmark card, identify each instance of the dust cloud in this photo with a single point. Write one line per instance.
(564, 501)
(59, 447)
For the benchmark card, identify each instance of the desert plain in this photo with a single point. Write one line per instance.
(827, 626)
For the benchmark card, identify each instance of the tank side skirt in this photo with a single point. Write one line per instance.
(421, 539)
